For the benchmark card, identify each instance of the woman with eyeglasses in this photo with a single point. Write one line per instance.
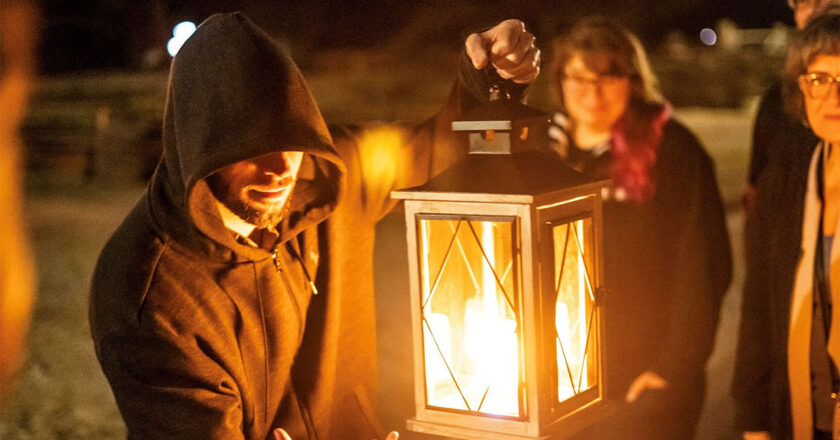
(782, 148)
(792, 347)
(667, 259)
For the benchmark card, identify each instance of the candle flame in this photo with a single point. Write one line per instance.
(470, 335)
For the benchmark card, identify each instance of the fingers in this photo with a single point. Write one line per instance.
(512, 50)
(281, 434)
(525, 71)
(509, 47)
(477, 51)
(646, 381)
(634, 391)
(393, 435)
(496, 40)
(507, 38)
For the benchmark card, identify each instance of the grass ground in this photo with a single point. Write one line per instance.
(61, 392)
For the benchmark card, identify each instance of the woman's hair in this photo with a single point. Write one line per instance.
(607, 48)
(820, 37)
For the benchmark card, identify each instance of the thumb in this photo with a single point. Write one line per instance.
(281, 434)
(393, 435)
(477, 50)
(645, 381)
(634, 391)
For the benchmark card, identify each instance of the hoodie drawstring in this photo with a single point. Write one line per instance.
(265, 340)
(299, 259)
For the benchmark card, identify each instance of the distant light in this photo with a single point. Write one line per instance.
(708, 37)
(173, 46)
(180, 33)
(183, 29)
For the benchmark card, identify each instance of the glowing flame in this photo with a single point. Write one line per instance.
(491, 336)
(471, 339)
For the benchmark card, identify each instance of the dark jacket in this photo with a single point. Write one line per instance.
(667, 263)
(667, 266)
(202, 336)
(772, 239)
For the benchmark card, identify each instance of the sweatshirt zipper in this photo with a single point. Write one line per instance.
(265, 347)
(278, 267)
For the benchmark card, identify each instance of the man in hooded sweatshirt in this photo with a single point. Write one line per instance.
(237, 296)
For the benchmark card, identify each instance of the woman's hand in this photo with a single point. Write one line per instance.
(646, 381)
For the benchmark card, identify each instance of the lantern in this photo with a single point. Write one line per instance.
(505, 283)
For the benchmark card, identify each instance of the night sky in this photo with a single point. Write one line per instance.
(110, 34)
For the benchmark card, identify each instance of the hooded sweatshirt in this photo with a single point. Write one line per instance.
(203, 336)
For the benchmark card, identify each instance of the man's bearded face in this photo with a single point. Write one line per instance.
(258, 190)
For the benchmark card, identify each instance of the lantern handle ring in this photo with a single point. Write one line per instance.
(499, 87)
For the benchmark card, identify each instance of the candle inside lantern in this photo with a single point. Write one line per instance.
(471, 336)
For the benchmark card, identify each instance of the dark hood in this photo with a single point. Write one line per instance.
(235, 94)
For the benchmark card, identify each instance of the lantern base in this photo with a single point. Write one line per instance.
(460, 432)
(563, 428)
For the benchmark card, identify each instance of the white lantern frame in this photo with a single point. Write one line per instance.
(532, 215)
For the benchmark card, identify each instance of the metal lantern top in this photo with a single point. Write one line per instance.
(509, 159)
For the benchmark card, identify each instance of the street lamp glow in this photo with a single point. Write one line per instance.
(180, 33)
(708, 37)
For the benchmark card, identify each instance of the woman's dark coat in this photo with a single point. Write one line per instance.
(667, 266)
(772, 239)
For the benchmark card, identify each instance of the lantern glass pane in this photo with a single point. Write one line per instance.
(575, 340)
(470, 320)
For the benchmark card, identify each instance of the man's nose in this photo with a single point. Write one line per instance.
(274, 165)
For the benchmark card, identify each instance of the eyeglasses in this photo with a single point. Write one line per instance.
(817, 84)
(605, 83)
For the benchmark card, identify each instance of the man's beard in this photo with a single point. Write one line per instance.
(239, 204)
(261, 218)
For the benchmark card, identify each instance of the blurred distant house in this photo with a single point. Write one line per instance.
(771, 41)
(107, 57)
(732, 66)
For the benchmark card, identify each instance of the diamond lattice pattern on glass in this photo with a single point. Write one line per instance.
(470, 329)
(574, 309)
